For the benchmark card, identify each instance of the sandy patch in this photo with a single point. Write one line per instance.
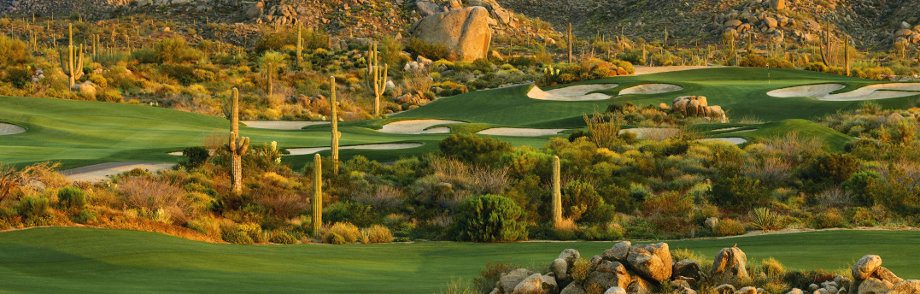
(520, 132)
(726, 129)
(872, 92)
(736, 141)
(101, 172)
(649, 89)
(647, 70)
(282, 125)
(9, 129)
(652, 133)
(573, 93)
(386, 146)
(415, 127)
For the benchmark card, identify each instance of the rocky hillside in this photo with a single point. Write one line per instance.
(870, 23)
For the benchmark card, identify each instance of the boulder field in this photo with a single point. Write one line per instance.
(628, 268)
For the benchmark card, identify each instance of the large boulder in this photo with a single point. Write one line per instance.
(507, 282)
(686, 270)
(615, 290)
(464, 31)
(906, 287)
(621, 276)
(874, 286)
(866, 266)
(560, 268)
(652, 261)
(536, 284)
(618, 252)
(730, 265)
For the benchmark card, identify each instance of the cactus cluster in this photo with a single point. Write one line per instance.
(72, 64)
(336, 135)
(317, 194)
(378, 78)
(557, 192)
(238, 146)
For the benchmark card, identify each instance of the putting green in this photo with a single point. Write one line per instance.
(79, 133)
(93, 260)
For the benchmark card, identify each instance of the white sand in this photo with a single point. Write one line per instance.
(520, 132)
(652, 133)
(573, 93)
(386, 146)
(872, 92)
(282, 125)
(649, 89)
(8, 129)
(415, 127)
(726, 129)
(736, 141)
(647, 70)
(102, 171)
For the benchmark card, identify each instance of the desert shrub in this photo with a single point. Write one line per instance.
(772, 267)
(341, 233)
(194, 156)
(489, 275)
(15, 52)
(351, 212)
(282, 237)
(378, 234)
(34, 206)
(601, 232)
(831, 218)
(176, 50)
(580, 269)
(72, 197)
(85, 216)
(207, 225)
(765, 219)
(149, 196)
(233, 234)
(683, 253)
(738, 191)
(18, 76)
(729, 227)
(753, 60)
(490, 218)
(473, 148)
(835, 168)
(582, 203)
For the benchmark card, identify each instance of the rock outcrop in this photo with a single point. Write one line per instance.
(730, 266)
(871, 277)
(698, 106)
(465, 31)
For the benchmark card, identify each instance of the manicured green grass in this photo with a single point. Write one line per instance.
(81, 133)
(92, 260)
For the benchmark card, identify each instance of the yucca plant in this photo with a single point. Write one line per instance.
(765, 219)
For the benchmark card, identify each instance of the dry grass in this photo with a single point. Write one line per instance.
(378, 234)
(151, 196)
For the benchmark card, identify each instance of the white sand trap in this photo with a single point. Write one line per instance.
(726, 129)
(520, 132)
(176, 153)
(573, 93)
(736, 141)
(647, 70)
(805, 91)
(386, 146)
(8, 129)
(871, 92)
(101, 172)
(415, 127)
(649, 89)
(281, 124)
(652, 133)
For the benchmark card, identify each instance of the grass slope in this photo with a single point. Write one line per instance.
(80, 259)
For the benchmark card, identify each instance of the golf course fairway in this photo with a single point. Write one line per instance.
(68, 260)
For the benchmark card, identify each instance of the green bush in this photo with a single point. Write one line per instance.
(730, 227)
(282, 237)
(71, 197)
(84, 217)
(194, 156)
(236, 236)
(350, 212)
(33, 206)
(830, 218)
(739, 191)
(490, 218)
(473, 148)
(835, 168)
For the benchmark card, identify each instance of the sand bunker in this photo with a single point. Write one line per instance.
(101, 172)
(872, 92)
(652, 133)
(8, 129)
(573, 93)
(282, 125)
(649, 89)
(520, 132)
(415, 127)
(386, 146)
(736, 141)
(647, 70)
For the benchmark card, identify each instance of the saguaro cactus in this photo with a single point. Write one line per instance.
(825, 46)
(570, 39)
(333, 104)
(73, 66)
(846, 54)
(557, 191)
(238, 146)
(317, 194)
(299, 45)
(378, 78)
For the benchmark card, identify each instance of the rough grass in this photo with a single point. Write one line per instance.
(80, 259)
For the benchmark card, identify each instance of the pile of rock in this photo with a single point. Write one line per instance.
(698, 106)
(627, 268)
(907, 34)
(871, 277)
(758, 17)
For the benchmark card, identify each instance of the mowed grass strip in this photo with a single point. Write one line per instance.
(96, 260)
